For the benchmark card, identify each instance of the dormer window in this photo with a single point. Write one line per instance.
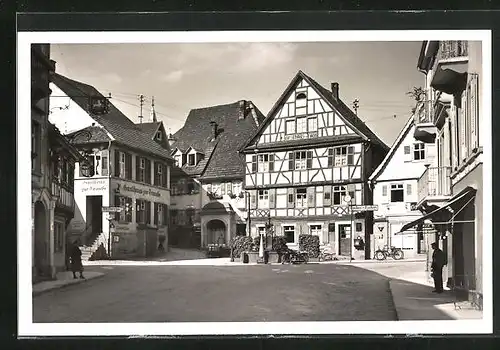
(159, 136)
(192, 159)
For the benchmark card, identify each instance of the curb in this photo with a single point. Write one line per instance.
(36, 293)
(389, 282)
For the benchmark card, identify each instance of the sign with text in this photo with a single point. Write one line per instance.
(93, 186)
(111, 209)
(140, 191)
(364, 207)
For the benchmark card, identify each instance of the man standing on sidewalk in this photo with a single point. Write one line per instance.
(438, 261)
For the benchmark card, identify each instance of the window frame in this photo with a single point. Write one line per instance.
(300, 162)
(301, 202)
(396, 187)
(290, 122)
(286, 229)
(263, 199)
(342, 192)
(420, 151)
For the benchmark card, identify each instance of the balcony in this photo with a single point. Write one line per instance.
(434, 187)
(425, 129)
(450, 75)
(65, 196)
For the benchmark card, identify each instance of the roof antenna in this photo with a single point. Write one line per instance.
(355, 105)
(141, 101)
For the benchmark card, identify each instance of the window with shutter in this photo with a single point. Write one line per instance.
(104, 163)
(407, 153)
(454, 136)
(384, 190)
(311, 197)
(148, 172)
(309, 159)
(156, 212)
(327, 196)
(291, 162)
(253, 199)
(461, 126)
(271, 162)
(117, 204)
(223, 188)
(350, 155)
(128, 166)
(148, 213)
(330, 157)
(272, 198)
(166, 215)
(408, 189)
(117, 164)
(254, 164)
(474, 109)
(139, 176)
(291, 198)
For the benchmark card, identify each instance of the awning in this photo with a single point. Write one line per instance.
(460, 200)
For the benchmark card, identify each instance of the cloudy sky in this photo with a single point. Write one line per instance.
(186, 76)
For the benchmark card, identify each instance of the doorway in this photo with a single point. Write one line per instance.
(41, 240)
(216, 232)
(344, 239)
(94, 216)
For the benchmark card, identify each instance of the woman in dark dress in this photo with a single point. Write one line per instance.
(76, 260)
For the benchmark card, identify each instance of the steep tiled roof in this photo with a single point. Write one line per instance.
(149, 128)
(122, 129)
(335, 103)
(98, 134)
(221, 156)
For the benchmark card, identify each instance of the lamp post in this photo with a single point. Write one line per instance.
(348, 200)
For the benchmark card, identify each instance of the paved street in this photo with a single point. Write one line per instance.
(330, 292)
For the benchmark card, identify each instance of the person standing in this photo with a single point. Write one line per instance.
(76, 260)
(438, 262)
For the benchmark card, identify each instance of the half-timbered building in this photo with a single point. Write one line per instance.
(308, 155)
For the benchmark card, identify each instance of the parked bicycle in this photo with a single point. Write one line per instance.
(326, 256)
(293, 257)
(393, 252)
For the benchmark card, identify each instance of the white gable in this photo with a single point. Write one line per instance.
(402, 165)
(303, 114)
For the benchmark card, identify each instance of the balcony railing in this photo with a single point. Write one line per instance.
(452, 49)
(424, 112)
(64, 194)
(434, 182)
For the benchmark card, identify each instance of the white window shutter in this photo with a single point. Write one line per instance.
(454, 141)
(461, 126)
(407, 153)
(473, 99)
(384, 194)
(408, 189)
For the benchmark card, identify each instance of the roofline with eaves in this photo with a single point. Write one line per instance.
(278, 147)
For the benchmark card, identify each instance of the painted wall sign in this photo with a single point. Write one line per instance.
(96, 185)
(123, 188)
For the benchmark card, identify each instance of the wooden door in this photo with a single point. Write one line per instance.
(344, 239)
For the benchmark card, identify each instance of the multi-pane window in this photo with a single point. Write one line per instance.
(237, 188)
(419, 151)
(301, 125)
(290, 127)
(344, 156)
(397, 193)
(263, 199)
(312, 124)
(315, 230)
(289, 233)
(263, 163)
(160, 214)
(159, 174)
(339, 192)
(143, 215)
(142, 170)
(122, 165)
(300, 160)
(301, 198)
(104, 163)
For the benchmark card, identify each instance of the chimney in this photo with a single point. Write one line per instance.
(335, 90)
(214, 130)
(242, 111)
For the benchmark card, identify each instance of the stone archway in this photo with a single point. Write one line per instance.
(41, 257)
(216, 232)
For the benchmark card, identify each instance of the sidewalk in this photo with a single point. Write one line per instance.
(63, 279)
(414, 300)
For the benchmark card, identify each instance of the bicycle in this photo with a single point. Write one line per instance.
(393, 252)
(293, 257)
(326, 256)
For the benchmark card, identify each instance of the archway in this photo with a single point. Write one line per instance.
(41, 239)
(216, 232)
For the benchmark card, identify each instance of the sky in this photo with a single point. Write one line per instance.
(193, 75)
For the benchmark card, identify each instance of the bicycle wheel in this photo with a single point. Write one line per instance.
(379, 255)
(398, 254)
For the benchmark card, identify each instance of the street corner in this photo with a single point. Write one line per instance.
(64, 279)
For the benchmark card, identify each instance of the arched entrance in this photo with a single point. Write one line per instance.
(216, 232)
(41, 239)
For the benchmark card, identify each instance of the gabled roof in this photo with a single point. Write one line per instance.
(150, 128)
(345, 112)
(98, 135)
(122, 129)
(378, 171)
(236, 122)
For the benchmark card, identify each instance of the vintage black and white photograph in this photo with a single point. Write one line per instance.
(255, 183)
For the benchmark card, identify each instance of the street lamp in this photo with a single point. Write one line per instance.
(348, 200)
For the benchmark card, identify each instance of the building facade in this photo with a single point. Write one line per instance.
(396, 193)
(450, 192)
(129, 167)
(52, 165)
(208, 200)
(309, 154)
